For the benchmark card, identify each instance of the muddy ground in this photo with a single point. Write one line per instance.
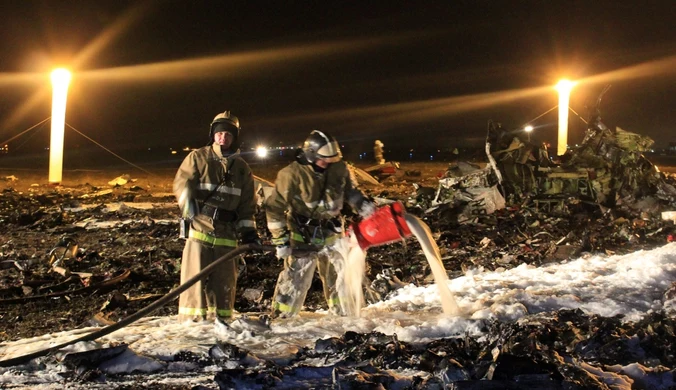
(37, 216)
(109, 273)
(40, 218)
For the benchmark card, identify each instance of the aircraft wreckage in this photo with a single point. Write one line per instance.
(607, 170)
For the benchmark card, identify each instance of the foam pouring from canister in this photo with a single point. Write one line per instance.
(384, 226)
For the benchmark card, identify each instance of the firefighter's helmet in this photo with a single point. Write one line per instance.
(320, 145)
(225, 121)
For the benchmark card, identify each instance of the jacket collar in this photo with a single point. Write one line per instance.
(217, 149)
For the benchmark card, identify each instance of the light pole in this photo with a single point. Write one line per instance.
(528, 129)
(60, 80)
(563, 87)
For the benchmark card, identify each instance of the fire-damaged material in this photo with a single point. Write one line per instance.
(465, 192)
(562, 349)
(608, 168)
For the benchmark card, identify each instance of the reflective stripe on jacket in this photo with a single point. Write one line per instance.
(298, 189)
(207, 177)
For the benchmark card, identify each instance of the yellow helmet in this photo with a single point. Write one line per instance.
(225, 121)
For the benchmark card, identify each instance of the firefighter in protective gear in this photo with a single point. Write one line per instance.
(214, 187)
(378, 152)
(305, 208)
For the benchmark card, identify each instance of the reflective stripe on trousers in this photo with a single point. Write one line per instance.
(211, 240)
(197, 312)
(315, 241)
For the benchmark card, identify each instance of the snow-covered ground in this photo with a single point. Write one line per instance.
(631, 285)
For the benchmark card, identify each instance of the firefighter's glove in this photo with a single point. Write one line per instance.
(283, 251)
(367, 209)
(250, 237)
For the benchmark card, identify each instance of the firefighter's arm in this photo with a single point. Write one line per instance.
(246, 222)
(276, 206)
(360, 203)
(185, 186)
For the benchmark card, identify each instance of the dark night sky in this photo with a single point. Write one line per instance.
(409, 73)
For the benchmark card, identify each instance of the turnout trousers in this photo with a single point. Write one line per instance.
(295, 280)
(213, 296)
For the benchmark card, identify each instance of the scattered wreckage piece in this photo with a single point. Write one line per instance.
(93, 287)
(465, 192)
(382, 171)
(607, 168)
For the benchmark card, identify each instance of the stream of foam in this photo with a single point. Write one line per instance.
(351, 267)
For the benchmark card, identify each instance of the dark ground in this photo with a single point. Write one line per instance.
(37, 218)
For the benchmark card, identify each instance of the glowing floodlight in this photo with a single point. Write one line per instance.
(528, 129)
(563, 87)
(262, 151)
(60, 81)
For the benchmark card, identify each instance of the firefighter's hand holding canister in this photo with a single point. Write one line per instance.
(367, 208)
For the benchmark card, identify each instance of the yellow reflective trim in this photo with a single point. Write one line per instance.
(297, 237)
(282, 307)
(333, 302)
(215, 241)
(315, 241)
(192, 311)
(219, 312)
(280, 241)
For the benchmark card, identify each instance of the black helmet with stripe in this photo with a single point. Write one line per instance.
(321, 145)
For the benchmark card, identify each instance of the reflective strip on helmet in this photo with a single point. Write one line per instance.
(223, 189)
(276, 225)
(330, 151)
(215, 241)
(246, 223)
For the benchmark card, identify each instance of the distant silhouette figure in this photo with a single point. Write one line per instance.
(378, 152)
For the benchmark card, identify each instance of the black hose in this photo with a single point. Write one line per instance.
(145, 311)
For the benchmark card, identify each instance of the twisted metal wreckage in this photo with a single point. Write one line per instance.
(607, 170)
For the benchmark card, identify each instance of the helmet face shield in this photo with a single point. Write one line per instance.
(320, 145)
(330, 152)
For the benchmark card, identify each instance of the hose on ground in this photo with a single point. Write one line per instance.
(171, 295)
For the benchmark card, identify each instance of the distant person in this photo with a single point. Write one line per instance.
(378, 152)
(305, 209)
(214, 187)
